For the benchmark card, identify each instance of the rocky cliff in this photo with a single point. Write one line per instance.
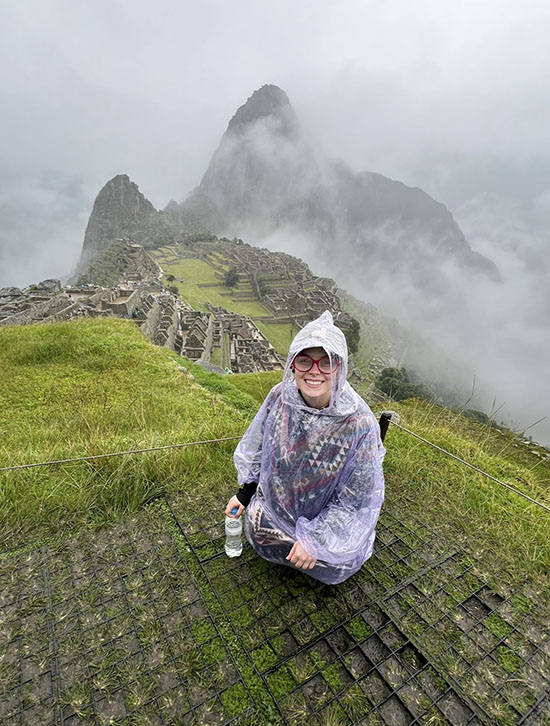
(263, 176)
(121, 211)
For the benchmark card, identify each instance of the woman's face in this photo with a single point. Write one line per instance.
(314, 385)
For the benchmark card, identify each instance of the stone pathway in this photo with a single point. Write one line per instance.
(148, 622)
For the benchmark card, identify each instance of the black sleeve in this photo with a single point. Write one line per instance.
(246, 492)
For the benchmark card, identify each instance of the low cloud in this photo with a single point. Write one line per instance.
(41, 227)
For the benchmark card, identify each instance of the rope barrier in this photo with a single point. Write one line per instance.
(234, 438)
(471, 466)
(117, 453)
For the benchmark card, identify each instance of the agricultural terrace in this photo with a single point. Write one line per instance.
(198, 284)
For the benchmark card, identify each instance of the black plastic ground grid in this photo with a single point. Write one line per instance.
(135, 625)
(480, 643)
(431, 614)
(339, 645)
(112, 634)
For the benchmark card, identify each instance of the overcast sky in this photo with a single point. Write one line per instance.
(449, 96)
(423, 91)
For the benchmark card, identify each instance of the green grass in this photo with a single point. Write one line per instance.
(92, 387)
(497, 625)
(358, 629)
(331, 674)
(509, 660)
(216, 356)
(256, 385)
(220, 260)
(503, 526)
(194, 272)
(203, 630)
(281, 682)
(96, 386)
(280, 335)
(263, 657)
(235, 700)
(229, 386)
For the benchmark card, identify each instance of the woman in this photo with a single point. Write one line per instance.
(310, 464)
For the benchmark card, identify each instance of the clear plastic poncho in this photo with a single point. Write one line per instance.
(319, 472)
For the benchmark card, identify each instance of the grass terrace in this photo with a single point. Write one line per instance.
(197, 273)
(280, 335)
(194, 273)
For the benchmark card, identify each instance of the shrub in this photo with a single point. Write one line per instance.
(352, 335)
(480, 417)
(231, 277)
(399, 384)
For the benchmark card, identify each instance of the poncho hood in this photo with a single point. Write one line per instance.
(322, 333)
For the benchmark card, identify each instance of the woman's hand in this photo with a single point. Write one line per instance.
(231, 504)
(300, 558)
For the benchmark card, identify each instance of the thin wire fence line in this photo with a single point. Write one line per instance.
(471, 466)
(117, 453)
(234, 438)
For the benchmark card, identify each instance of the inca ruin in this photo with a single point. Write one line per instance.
(127, 281)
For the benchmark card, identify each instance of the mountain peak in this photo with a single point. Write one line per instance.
(122, 211)
(269, 100)
(265, 178)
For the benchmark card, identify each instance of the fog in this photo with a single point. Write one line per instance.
(450, 97)
(486, 343)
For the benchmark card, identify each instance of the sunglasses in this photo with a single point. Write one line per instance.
(304, 363)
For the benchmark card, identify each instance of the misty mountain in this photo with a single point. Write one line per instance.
(121, 211)
(266, 178)
(387, 243)
(266, 182)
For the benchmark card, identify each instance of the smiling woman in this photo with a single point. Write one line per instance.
(310, 464)
(314, 385)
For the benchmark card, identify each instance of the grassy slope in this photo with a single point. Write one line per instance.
(194, 272)
(256, 385)
(96, 386)
(91, 387)
(492, 520)
(280, 335)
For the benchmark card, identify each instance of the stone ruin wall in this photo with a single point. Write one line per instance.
(249, 349)
(276, 279)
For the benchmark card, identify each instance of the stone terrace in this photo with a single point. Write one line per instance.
(282, 283)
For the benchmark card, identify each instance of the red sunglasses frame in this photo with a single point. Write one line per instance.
(315, 362)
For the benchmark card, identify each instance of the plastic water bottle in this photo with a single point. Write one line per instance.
(233, 531)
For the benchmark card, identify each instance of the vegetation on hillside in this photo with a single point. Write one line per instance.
(399, 384)
(231, 277)
(93, 387)
(96, 386)
(353, 334)
(498, 524)
(256, 385)
(197, 283)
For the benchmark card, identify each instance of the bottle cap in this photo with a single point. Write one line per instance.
(234, 510)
